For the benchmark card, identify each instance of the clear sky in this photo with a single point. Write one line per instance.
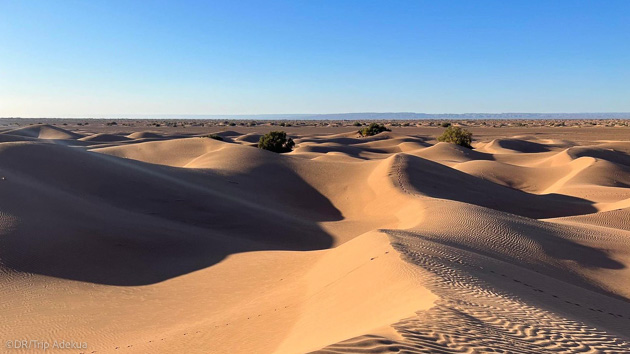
(95, 58)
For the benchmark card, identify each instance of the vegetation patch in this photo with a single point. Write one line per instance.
(215, 137)
(456, 135)
(276, 141)
(373, 129)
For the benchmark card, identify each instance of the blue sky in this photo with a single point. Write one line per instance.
(100, 58)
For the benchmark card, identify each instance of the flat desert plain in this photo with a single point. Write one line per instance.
(145, 238)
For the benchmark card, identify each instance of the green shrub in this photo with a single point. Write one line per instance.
(276, 141)
(373, 129)
(456, 135)
(445, 125)
(215, 137)
(357, 124)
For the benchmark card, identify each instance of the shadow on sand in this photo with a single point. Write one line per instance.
(84, 216)
(439, 181)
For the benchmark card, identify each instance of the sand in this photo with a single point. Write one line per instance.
(140, 240)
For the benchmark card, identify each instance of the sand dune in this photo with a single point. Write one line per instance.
(106, 138)
(147, 243)
(615, 219)
(498, 146)
(586, 171)
(144, 135)
(43, 131)
(175, 152)
(435, 180)
(251, 138)
(449, 153)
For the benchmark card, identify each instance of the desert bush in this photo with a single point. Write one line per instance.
(215, 137)
(276, 141)
(456, 135)
(373, 129)
(357, 124)
(445, 125)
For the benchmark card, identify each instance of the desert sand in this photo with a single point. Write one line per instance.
(144, 239)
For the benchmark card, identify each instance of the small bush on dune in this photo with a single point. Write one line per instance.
(445, 125)
(357, 124)
(456, 135)
(215, 137)
(276, 141)
(373, 129)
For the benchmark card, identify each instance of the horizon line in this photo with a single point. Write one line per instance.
(383, 115)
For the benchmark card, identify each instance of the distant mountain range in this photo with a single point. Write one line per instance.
(371, 116)
(411, 115)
